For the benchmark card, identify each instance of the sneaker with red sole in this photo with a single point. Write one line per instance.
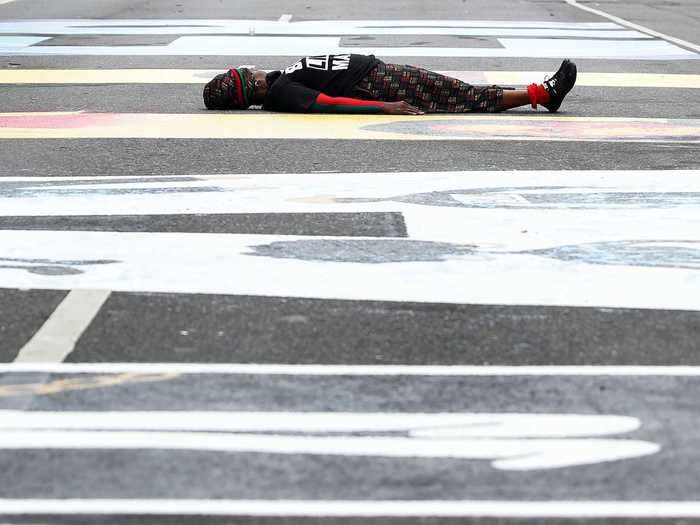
(560, 84)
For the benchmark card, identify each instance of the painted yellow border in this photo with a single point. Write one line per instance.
(254, 124)
(200, 76)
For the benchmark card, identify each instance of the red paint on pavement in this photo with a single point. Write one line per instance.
(54, 121)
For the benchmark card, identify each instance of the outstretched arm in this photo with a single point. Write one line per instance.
(326, 104)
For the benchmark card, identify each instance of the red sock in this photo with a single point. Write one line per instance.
(538, 94)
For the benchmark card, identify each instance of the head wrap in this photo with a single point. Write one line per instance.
(230, 90)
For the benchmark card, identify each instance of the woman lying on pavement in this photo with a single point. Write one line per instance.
(364, 84)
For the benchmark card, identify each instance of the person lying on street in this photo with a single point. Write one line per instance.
(364, 84)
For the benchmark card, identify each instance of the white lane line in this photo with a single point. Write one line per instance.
(58, 335)
(347, 370)
(355, 508)
(2, 2)
(637, 27)
(285, 18)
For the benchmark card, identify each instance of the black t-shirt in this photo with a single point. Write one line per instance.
(296, 88)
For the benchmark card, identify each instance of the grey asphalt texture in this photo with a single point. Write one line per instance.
(277, 330)
(178, 328)
(666, 405)
(332, 224)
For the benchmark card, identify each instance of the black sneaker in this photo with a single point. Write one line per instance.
(560, 84)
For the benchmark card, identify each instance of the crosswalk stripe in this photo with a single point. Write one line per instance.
(58, 335)
(256, 125)
(200, 76)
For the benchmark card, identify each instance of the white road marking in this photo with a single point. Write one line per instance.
(285, 18)
(505, 454)
(284, 38)
(355, 508)
(299, 46)
(510, 441)
(513, 268)
(636, 27)
(2, 2)
(419, 425)
(543, 233)
(57, 337)
(604, 195)
(349, 370)
(14, 42)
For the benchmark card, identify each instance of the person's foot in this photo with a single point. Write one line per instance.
(560, 84)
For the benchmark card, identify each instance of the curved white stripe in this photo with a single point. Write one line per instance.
(631, 25)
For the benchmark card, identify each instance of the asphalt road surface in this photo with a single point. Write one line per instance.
(246, 317)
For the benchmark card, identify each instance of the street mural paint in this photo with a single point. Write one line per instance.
(498, 272)
(612, 226)
(266, 125)
(657, 254)
(464, 436)
(645, 190)
(518, 442)
(504, 128)
(545, 197)
(364, 251)
(72, 384)
(48, 266)
(415, 38)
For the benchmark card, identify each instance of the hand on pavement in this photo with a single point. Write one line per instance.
(401, 108)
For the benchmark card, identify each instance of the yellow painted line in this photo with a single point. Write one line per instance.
(107, 76)
(254, 124)
(200, 76)
(80, 383)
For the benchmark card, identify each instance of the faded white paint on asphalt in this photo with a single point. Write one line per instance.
(55, 340)
(285, 38)
(474, 237)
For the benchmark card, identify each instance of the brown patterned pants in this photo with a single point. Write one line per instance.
(429, 91)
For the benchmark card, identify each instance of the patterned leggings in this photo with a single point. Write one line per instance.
(431, 92)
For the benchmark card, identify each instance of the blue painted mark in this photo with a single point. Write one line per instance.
(656, 254)
(49, 267)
